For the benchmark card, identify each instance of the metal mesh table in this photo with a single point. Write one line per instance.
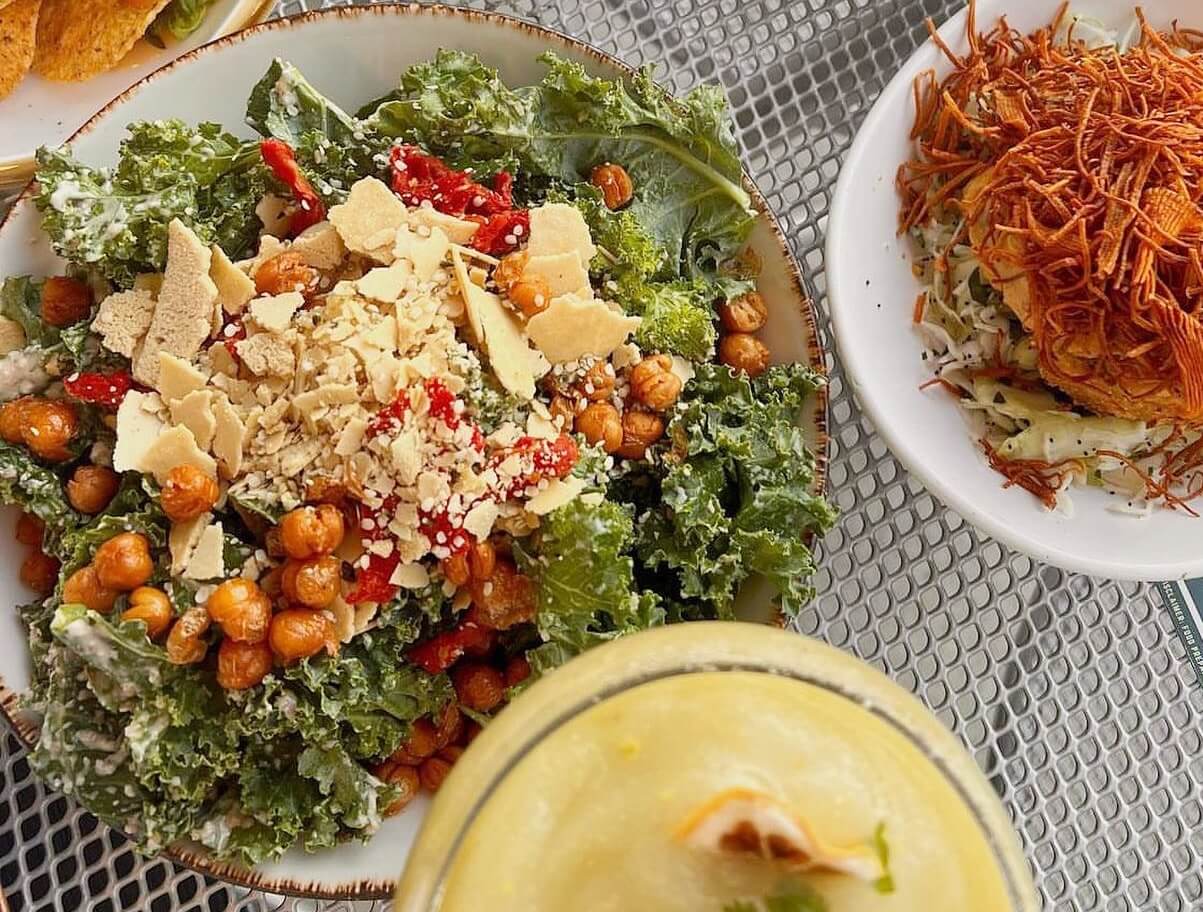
(1073, 693)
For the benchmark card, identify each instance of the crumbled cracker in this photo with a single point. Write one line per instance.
(123, 319)
(266, 354)
(12, 336)
(183, 312)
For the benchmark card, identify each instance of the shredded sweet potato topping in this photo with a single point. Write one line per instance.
(1087, 168)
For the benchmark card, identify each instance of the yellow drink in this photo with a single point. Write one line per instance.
(574, 798)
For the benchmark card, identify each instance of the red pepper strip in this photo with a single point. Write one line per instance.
(372, 582)
(99, 389)
(280, 158)
(440, 652)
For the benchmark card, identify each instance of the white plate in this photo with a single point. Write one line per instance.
(40, 112)
(355, 54)
(872, 290)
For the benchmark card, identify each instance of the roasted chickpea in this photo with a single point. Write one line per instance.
(517, 670)
(456, 570)
(241, 609)
(39, 571)
(298, 633)
(187, 493)
(286, 272)
(311, 531)
(510, 269)
(451, 753)
(313, 583)
(404, 778)
(422, 741)
(83, 587)
(744, 314)
(29, 529)
(639, 431)
(49, 427)
(449, 726)
(478, 686)
(92, 487)
(601, 423)
(563, 412)
(432, 772)
(124, 562)
(743, 353)
(184, 643)
(242, 665)
(504, 600)
(322, 490)
(615, 184)
(14, 416)
(65, 301)
(531, 296)
(150, 606)
(654, 384)
(482, 560)
(598, 383)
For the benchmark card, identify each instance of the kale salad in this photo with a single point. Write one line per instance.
(329, 441)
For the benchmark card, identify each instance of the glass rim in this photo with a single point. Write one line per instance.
(1003, 843)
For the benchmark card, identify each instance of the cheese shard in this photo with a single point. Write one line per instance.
(563, 272)
(274, 312)
(227, 436)
(123, 319)
(320, 246)
(195, 412)
(207, 560)
(457, 230)
(183, 538)
(466, 287)
(559, 228)
(572, 327)
(425, 253)
(138, 427)
(174, 447)
(385, 283)
(558, 492)
(178, 378)
(500, 333)
(184, 311)
(368, 221)
(234, 287)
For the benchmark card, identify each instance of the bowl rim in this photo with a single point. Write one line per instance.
(900, 441)
(364, 889)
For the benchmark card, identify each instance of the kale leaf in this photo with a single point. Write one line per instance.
(737, 494)
(681, 153)
(116, 221)
(585, 580)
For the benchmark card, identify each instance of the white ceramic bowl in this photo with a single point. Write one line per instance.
(40, 112)
(354, 55)
(872, 291)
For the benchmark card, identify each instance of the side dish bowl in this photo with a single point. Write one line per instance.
(358, 54)
(872, 290)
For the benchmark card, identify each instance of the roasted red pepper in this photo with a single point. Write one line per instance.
(282, 160)
(372, 582)
(106, 390)
(549, 459)
(442, 651)
(419, 177)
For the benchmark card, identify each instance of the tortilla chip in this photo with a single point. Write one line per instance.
(79, 38)
(18, 25)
